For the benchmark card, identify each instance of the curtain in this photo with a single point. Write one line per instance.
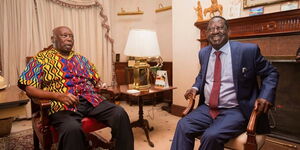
(86, 26)
(26, 27)
(16, 40)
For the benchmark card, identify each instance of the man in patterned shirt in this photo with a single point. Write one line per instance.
(71, 82)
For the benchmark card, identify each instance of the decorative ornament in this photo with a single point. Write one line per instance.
(215, 7)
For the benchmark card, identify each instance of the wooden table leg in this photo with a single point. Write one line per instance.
(143, 123)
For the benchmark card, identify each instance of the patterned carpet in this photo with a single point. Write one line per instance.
(17, 141)
(22, 141)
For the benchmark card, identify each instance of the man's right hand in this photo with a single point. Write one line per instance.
(67, 98)
(190, 93)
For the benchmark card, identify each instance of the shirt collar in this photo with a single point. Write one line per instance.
(224, 49)
(66, 57)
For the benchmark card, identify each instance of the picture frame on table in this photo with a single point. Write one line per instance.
(161, 80)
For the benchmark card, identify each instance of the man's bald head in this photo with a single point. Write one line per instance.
(62, 39)
(56, 30)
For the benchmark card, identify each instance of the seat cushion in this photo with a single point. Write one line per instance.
(88, 125)
(91, 124)
(238, 142)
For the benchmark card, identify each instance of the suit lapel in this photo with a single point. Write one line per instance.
(236, 61)
(205, 63)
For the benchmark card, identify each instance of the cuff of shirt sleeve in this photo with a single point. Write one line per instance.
(195, 88)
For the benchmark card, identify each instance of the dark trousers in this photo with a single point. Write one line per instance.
(71, 136)
(214, 133)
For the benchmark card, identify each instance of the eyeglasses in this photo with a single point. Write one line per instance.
(222, 28)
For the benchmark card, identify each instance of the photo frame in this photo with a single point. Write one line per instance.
(256, 11)
(161, 80)
(289, 6)
(254, 3)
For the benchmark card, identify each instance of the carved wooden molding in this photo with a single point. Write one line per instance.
(273, 24)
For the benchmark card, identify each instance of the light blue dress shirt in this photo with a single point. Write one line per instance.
(227, 98)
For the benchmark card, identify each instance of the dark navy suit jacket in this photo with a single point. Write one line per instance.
(247, 65)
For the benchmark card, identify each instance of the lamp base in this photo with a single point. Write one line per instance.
(142, 88)
(141, 72)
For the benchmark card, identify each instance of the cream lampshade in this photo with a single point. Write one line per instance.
(141, 44)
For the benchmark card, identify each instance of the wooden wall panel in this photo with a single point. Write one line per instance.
(121, 72)
(276, 46)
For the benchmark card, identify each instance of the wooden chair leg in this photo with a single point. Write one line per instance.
(36, 144)
(47, 146)
(47, 139)
(251, 142)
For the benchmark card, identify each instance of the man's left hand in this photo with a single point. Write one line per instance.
(262, 105)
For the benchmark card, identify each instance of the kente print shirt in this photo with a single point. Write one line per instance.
(52, 72)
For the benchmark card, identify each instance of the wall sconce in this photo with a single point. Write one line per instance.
(141, 44)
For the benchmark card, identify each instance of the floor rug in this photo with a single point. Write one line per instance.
(17, 141)
(22, 140)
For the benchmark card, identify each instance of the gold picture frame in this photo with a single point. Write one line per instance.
(254, 3)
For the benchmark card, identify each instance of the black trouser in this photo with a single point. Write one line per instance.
(71, 136)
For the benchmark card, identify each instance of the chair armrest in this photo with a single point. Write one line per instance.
(43, 103)
(44, 106)
(109, 94)
(251, 143)
(252, 122)
(189, 108)
(40, 123)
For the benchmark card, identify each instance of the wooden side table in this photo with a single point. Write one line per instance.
(141, 122)
(12, 104)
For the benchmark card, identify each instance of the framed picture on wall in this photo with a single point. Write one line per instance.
(256, 11)
(289, 6)
(234, 9)
(254, 3)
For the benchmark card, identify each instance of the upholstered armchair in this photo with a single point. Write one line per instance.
(248, 140)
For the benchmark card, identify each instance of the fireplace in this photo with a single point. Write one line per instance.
(278, 36)
(285, 117)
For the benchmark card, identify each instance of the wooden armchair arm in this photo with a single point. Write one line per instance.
(109, 94)
(189, 108)
(251, 143)
(252, 121)
(40, 122)
(44, 106)
(43, 103)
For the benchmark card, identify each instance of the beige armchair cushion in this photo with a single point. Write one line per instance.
(238, 142)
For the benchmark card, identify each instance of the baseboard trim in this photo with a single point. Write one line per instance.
(177, 110)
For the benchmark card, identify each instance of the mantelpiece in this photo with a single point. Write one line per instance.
(277, 34)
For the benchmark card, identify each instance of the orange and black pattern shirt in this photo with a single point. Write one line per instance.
(52, 72)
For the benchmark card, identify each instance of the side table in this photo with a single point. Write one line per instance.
(12, 104)
(141, 122)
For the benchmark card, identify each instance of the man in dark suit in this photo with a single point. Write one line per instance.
(228, 88)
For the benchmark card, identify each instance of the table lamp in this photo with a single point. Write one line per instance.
(141, 44)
